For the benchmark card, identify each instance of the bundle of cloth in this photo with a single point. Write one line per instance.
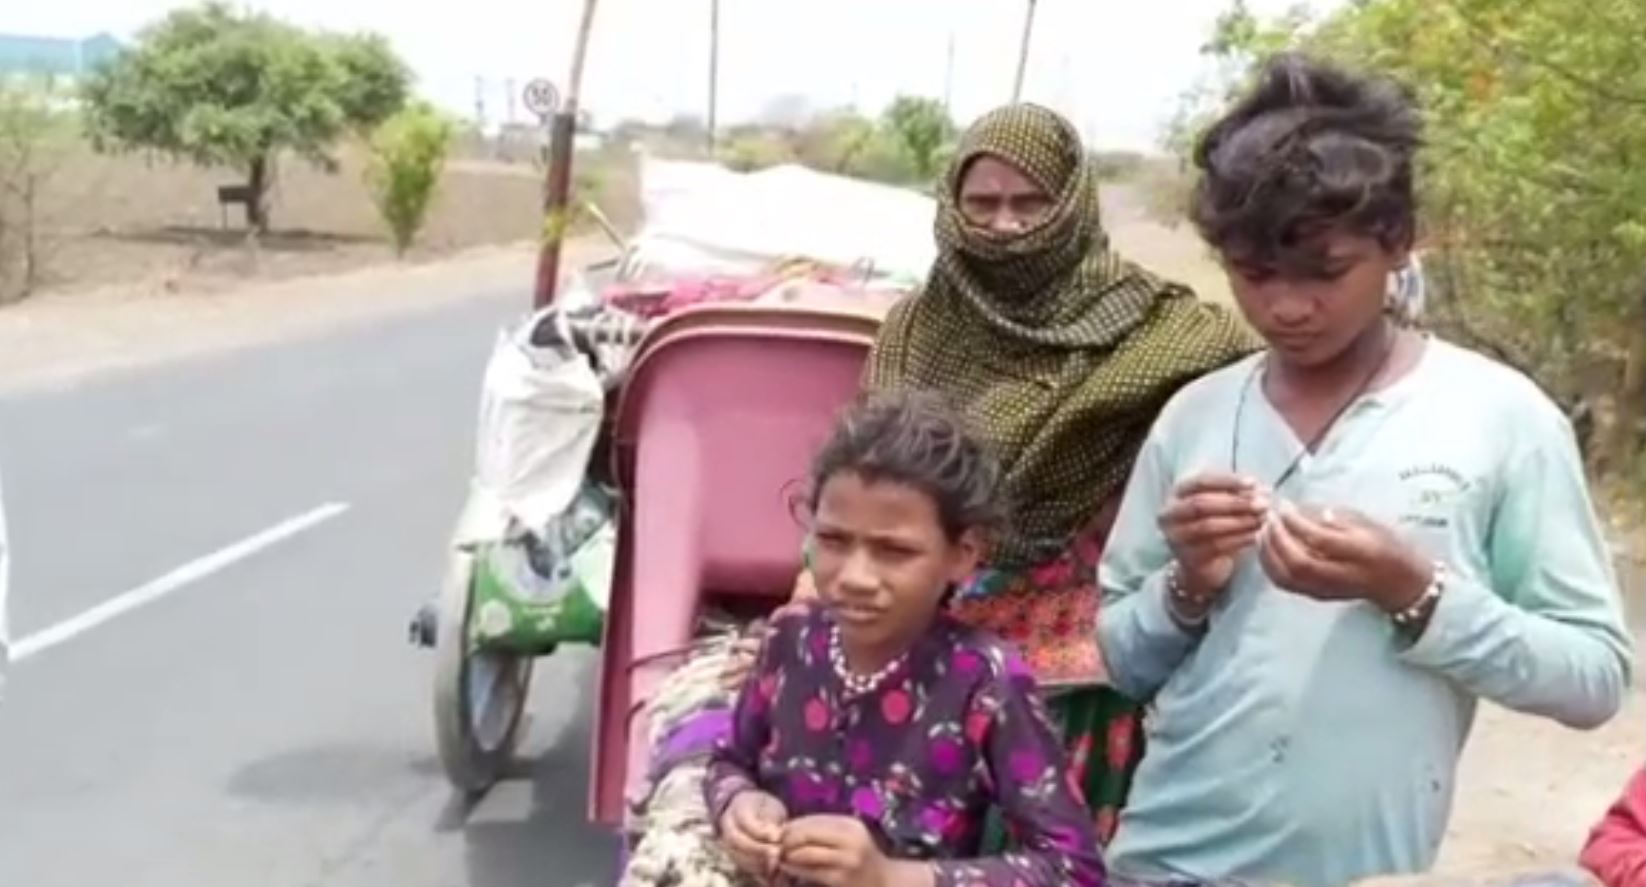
(784, 281)
(670, 838)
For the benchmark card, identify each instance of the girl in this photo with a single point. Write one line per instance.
(875, 732)
(1330, 551)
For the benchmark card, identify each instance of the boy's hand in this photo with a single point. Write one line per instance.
(1209, 520)
(1340, 555)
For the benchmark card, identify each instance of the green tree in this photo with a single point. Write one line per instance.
(1533, 179)
(375, 82)
(219, 87)
(924, 128)
(408, 155)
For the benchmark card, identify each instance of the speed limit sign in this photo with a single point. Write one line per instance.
(542, 98)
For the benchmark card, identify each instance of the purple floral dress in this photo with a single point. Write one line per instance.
(956, 728)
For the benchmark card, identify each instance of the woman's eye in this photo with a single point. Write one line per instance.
(1031, 207)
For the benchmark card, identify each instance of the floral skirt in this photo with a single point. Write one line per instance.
(1050, 612)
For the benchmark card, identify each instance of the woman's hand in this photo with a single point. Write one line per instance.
(1341, 555)
(1209, 520)
(751, 830)
(838, 851)
(746, 650)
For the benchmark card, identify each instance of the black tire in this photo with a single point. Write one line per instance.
(476, 746)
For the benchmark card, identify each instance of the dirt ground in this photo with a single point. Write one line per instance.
(1529, 789)
(151, 225)
(140, 263)
(146, 222)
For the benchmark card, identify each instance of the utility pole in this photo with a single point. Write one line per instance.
(1023, 53)
(714, 72)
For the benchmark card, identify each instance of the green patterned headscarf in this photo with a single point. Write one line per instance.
(1061, 352)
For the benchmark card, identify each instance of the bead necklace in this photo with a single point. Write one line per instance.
(857, 684)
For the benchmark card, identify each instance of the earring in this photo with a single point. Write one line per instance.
(1405, 293)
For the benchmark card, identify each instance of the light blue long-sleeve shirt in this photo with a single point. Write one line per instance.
(1309, 743)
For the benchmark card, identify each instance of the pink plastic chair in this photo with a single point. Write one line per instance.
(716, 424)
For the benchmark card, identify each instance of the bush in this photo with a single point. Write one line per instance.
(408, 155)
(752, 153)
(33, 139)
(885, 158)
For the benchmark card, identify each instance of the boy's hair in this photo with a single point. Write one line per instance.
(915, 439)
(1312, 148)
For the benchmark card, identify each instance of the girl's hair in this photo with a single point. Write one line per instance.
(1312, 148)
(915, 439)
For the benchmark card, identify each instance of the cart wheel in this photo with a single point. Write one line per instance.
(478, 695)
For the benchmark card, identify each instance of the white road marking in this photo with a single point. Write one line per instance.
(189, 573)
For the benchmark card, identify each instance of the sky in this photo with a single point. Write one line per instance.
(1115, 67)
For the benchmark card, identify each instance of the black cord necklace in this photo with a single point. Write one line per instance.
(1314, 442)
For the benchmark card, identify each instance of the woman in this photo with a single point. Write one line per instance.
(1330, 551)
(1061, 354)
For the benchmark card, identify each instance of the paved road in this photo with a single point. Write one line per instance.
(265, 724)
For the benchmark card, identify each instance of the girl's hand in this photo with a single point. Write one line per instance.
(838, 851)
(1209, 520)
(751, 830)
(1341, 555)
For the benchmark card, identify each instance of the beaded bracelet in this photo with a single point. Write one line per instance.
(1179, 595)
(1413, 615)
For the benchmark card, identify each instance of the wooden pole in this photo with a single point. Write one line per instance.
(557, 196)
(714, 73)
(1023, 52)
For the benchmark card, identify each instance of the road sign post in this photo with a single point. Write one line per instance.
(542, 98)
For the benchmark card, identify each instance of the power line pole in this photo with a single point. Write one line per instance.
(1023, 53)
(714, 72)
